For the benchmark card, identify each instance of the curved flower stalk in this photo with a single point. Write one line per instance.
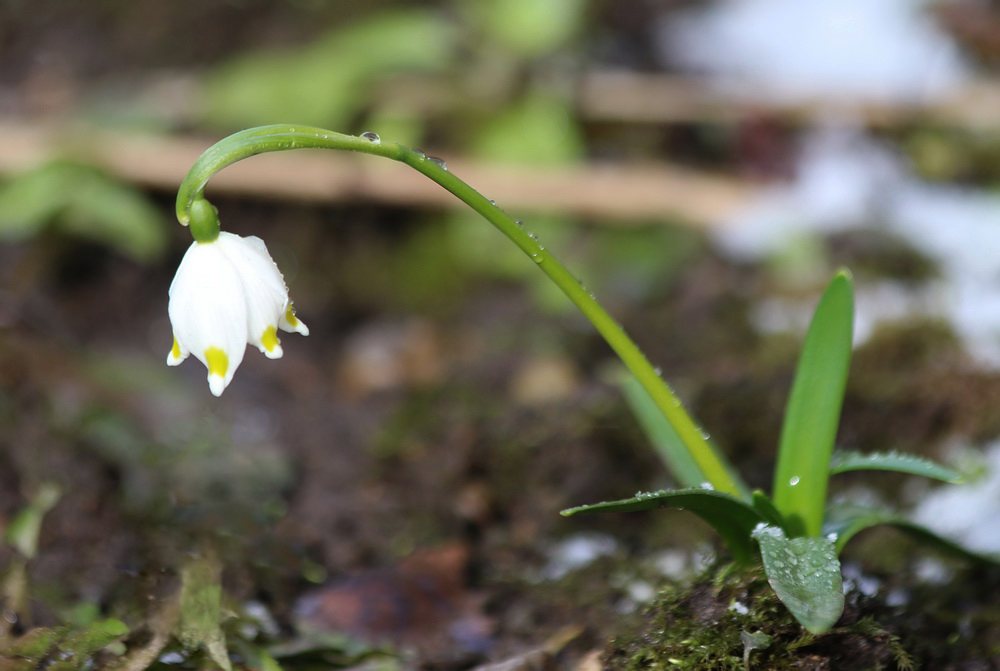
(194, 211)
(228, 293)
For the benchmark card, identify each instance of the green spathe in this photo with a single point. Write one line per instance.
(203, 219)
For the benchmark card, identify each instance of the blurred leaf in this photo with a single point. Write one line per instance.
(85, 202)
(538, 130)
(813, 411)
(22, 532)
(328, 82)
(805, 574)
(732, 518)
(529, 27)
(668, 445)
(843, 461)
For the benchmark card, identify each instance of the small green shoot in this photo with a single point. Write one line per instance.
(799, 535)
(751, 642)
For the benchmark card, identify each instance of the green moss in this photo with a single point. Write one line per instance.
(708, 625)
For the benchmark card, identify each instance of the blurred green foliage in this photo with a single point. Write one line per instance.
(81, 201)
(330, 81)
(528, 28)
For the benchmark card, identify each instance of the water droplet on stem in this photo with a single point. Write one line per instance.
(371, 137)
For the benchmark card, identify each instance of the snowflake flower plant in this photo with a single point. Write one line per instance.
(227, 293)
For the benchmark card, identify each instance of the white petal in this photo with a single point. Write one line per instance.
(208, 311)
(228, 293)
(290, 322)
(177, 353)
(263, 287)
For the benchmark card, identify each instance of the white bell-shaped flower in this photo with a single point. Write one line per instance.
(227, 293)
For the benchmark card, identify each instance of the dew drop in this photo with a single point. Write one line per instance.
(371, 137)
(438, 162)
(537, 258)
(794, 480)
(493, 202)
(520, 224)
(419, 153)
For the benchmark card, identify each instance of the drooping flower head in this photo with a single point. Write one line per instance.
(228, 293)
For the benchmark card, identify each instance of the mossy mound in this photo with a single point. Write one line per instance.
(731, 620)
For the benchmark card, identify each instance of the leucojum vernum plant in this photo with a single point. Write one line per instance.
(229, 293)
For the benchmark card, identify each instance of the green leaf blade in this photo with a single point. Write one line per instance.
(846, 520)
(805, 574)
(911, 464)
(813, 411)
(732, 518)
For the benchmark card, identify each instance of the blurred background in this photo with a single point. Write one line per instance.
(703, 167)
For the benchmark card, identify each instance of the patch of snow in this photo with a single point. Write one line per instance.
(673, 564)
(577, 551)
(854, 578)
(969, 514)
(873, 50)
(640, 591)
(846, 181)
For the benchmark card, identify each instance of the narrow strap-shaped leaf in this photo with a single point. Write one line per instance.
(843, 461)
(813, 411)
(732, 518)
(805, 574)
(668, 445)
(846, 520)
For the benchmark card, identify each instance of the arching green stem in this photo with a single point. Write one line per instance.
(284, 137)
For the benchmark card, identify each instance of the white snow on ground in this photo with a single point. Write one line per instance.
(958, 228)
(790, 49)
(846, 180)
(848, 49)
(968, 513)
